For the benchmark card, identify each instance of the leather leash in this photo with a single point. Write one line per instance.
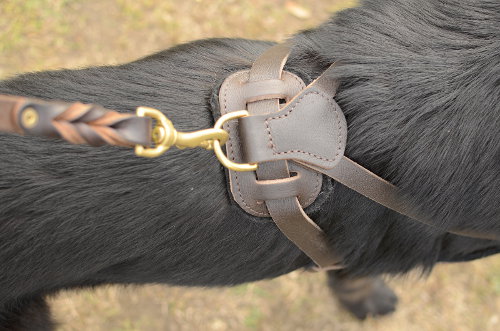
(94, 125)
(286, 135)
(77, 123)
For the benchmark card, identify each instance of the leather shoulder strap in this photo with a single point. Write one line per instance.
(365, 182)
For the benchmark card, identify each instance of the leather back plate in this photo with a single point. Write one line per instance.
(247, 191)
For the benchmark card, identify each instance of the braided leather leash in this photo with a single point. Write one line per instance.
(75, 122)
(94, 125)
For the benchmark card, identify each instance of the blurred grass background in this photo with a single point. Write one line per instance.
(50, 34)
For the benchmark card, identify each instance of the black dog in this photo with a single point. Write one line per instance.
(420, 88)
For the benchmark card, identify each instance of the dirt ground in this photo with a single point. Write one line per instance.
(50, 34)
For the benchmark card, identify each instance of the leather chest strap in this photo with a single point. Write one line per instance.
(275, 181)
(77, 123)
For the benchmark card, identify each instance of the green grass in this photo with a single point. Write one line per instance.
(253, 318)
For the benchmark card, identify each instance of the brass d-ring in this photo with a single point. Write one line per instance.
(217, 146)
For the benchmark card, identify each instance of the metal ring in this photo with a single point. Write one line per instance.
(217, 146)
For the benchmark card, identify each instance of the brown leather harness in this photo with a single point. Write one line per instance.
(287, 135)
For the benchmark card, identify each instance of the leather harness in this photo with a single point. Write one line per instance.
(287, 135)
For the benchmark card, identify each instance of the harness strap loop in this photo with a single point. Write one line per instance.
(262, 90)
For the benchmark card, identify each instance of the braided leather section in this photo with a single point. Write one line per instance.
(92, 125)
(75, 122)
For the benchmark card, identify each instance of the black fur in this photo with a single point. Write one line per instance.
(420, 87)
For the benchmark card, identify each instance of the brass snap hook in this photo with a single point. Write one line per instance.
(164, 136)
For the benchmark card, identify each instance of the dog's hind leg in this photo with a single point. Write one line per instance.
(362, 296)
(30, 314)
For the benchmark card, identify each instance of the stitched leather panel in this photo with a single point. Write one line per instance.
(247, 191)
(310, 129)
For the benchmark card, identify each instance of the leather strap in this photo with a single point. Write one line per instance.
(365, 182)
(77, 123)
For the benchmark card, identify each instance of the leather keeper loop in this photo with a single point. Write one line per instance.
(278, 188)
(264, 90)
